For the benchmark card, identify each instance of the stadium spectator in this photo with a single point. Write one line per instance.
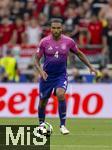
(22, 8)
(30, 8)
(3, 76)
(6, 31)
(5, 8)
(95, 37)
(106, 13)
(104, 76)
(19, 31)
(42, 19)
(83, 41)
(97, 5)
(15, 10)
(77, 77)
(33, 32)
(107, 36)
(83, 37)
(54, 8)
(40, 4)
(72, 21)
(26, 19)
(62, 5)
(5, 3)
(56, 12)
(9, 64)
(43, 22)
(87, 9)
(95, 30)
(47, 9)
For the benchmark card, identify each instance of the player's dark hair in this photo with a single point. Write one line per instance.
(56, 20)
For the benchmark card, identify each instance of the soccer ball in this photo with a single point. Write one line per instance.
(45, 129)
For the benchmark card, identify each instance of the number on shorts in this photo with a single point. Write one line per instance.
(56, 54)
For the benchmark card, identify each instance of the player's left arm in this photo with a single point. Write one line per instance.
(85, 60)
(74, 49)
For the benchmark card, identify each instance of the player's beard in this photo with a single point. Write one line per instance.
(57, 35)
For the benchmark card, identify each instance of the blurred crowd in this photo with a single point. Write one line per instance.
(88, 22)
(9, 72)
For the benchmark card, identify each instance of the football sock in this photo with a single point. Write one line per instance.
(41, 114)
(62, 112)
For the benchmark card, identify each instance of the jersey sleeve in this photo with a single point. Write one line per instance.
(40, 49)
(73, 46)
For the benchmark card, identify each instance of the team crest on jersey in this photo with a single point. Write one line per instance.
(50, 48)
(63, 46)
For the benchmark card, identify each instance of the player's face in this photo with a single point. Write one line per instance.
(56, 29)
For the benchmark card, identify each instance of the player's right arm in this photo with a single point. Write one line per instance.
(37, 57)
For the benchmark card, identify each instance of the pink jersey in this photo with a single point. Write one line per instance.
(55, 53)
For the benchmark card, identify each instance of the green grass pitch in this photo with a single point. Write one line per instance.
(85, 134)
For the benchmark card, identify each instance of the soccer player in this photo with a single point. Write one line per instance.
(55, 48)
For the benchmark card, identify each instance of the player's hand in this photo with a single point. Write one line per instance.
(93, 70)
(44, 75)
